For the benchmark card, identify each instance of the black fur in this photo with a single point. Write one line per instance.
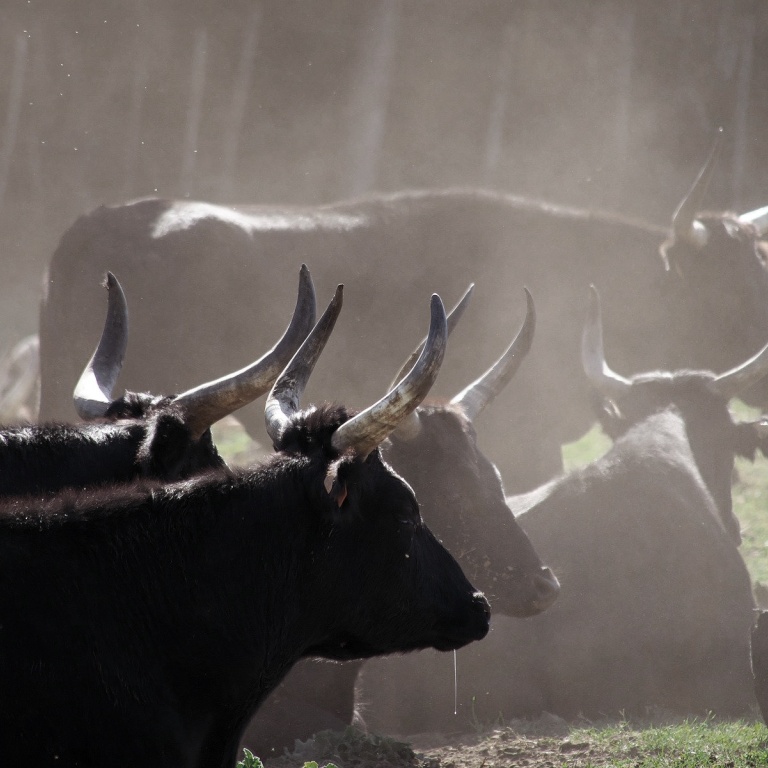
(140, 436)
(462, 499)
(712, 435)
(144, 624)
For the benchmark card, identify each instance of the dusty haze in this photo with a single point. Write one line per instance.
(601, 104)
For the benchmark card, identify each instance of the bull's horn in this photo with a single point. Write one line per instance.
(368, 429)
(93, 393)
(482, 391)
(758, 219)
(452, 319)
(284, 399)
(410, 426)
(208, 403)
(602, 377)
(731, 383)
(684, 223)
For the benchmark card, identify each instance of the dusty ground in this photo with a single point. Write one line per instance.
(544, 743)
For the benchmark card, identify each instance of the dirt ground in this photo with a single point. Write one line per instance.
(544, 743)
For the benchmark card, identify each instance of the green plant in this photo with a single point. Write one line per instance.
(313, 764)
(250, 760)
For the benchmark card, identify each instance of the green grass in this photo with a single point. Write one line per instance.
(581, 452)
(235, 445)
(750, 502)
(624, 744)
(690, 744)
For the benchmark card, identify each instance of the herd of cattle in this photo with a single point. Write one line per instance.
(160, 608)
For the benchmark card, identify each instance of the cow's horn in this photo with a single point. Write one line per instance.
(410, 426)
(452, 319)
(684, 223)
(208, 403)
(482, 391)
(593, 357)
(285, 397)
(368, 429)
(758, 219)
(93, 393)
(731, 383)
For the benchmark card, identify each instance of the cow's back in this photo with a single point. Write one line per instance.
(205, 285)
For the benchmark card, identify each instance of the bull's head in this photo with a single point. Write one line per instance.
(699, 397)
(461, 491)
(688, 228)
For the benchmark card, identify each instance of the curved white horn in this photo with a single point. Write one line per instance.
(735, 381)
(364, 432)
(474, 398)
(452, 318)
(410, 426)
(285, 397)
(684, 223)
(93, 392)
(210, 402)
(758, 219)
(593, 356)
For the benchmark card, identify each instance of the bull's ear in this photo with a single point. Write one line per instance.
(164, 448)
(334, 486)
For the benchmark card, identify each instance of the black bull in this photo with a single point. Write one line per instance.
(709, 309)
(143, 625)
(462, 500)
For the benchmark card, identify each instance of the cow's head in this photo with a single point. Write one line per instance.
(369, 516)
(461, 492)
(700, 397)
(717, 261)
(173, 431)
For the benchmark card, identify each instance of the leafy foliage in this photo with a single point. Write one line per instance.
(249, 760)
